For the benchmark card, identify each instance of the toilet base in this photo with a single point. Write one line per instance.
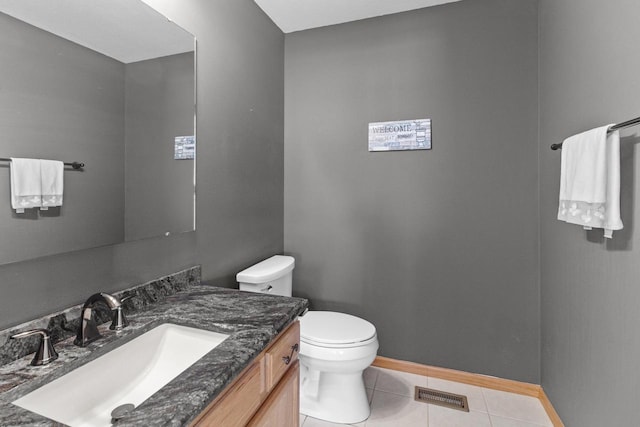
(334, 397)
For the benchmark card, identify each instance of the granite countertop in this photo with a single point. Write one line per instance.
(252, 321)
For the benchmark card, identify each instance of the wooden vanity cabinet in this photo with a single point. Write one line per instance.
(266, 393)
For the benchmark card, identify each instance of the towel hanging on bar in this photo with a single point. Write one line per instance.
(590, 180)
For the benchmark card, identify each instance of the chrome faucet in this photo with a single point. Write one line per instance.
(88, 330)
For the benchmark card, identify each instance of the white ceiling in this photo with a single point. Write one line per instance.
(297, 15)
(126, 30)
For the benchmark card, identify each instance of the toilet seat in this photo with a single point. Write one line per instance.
(339, 346)
(335, 330)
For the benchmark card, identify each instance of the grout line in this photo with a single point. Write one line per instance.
(514, 418)
(486, 405)
(375, 383)
(393, 394)
(530, 423)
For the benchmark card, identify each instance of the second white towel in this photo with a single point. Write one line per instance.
(52, 178)
(590, 180)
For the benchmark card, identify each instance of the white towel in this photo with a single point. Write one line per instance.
(52, 175)
(26, 187)
(590, 180)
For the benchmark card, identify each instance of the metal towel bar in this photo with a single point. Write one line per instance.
(75, 165)
(628, 123)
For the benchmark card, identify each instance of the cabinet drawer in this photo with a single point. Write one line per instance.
(237, 405)
(281, 355)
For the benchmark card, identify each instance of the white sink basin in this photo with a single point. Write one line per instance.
(130, 373)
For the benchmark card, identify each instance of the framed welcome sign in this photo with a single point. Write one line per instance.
(400, 135)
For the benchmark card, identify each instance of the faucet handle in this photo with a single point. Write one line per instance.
(118, 321)
(46, 353)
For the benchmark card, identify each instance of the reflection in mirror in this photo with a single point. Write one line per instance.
(111, 84)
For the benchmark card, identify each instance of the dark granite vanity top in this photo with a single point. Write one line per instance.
(251, 320)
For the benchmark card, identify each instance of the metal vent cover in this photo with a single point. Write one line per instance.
(441, 398)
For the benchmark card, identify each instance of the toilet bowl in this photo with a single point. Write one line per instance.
(335, 349)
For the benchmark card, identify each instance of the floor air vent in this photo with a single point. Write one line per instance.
(441, 398)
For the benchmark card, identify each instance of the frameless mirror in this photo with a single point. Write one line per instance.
(108, 83)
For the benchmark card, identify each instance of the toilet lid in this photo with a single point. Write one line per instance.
(329, 327)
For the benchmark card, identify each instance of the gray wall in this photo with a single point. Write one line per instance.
(159, 105)
(589, 66)
(48, 88)
(240, 172)
(437, 248)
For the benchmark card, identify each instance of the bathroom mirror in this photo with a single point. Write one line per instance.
(111, 84)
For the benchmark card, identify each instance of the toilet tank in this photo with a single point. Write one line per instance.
(271, 276)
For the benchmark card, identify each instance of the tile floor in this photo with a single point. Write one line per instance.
(392, 405)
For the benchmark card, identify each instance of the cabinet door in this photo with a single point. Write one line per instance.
(282, 407)
(236, 406)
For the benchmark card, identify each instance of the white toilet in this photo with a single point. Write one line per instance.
(335, 348)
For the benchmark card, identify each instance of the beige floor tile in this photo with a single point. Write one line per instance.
(475, 398)
(446, 417)
(302, 418)
(392, 410)
(401, 383)
(508, 422)
(515, 406)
